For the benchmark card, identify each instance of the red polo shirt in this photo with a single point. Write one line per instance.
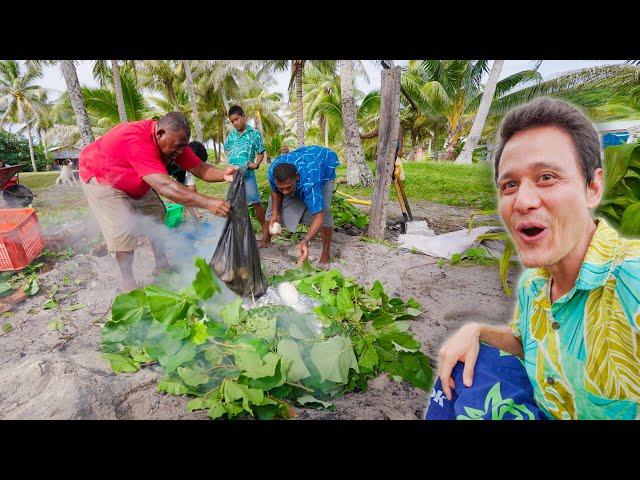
(125, 154)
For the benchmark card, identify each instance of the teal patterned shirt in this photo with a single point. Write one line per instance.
(582, 352)
(242, 148)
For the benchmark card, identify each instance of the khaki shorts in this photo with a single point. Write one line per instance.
(123, 219)
(294, 211)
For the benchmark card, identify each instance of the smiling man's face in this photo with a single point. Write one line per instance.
(543, 197)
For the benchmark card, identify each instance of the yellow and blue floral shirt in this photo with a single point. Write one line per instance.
(582, 353)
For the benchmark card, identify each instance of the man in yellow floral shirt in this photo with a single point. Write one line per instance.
(576, 321)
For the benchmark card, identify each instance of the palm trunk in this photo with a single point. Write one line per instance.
(117, 86)
(358, 172)
(435, 144)
(135, 73)
(259, 123)
(298, 66)
(77, 102)
(466, 155)
(193, 100)
(326, 131)
(31, 154)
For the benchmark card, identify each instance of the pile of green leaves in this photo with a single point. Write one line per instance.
(621, 203)
(236, 362)
(25, 280)
(344, 213)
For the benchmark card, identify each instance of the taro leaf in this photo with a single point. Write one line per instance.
(399, 341)
(255, 367)
(333, 358)
(77, 306)
(263, 326)
(232, 391)
(401, 325)
(377, 291)
(617, 160)
(193, 376)
(32, 287)
(6, 327)
(381, 319)
(172, 386)
(172, 353)
(327, 284)
(204, 284)
(5, 287)
(139, 354)
(113, 333)
(121, 362)
(368, 357)
(49, 304)
(215, 329)
(309, 400)
(630, 222)
(414, 312)
(199, 333)
(196, 404)
(413, 367)
(55, 324)
(166, 306)
(129, 308)
(344, 302)
(295, 332)
(272, 381)
(216, 410)
(214, 355)
(231, 313)
(291, 351)
(179, 330)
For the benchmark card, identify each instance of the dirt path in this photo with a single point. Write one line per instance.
(59, 374)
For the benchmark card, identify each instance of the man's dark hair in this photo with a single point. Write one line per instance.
(284, 171)
(176, 122)
(199, 149)
(551, 112)
(236, 109)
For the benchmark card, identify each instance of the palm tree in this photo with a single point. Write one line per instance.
(297, 71)
(452, 88)
(68, 69)
(259, 103)
(117, 87)
(103, 112)
(481, 115)
(163, 76)
(20, 97)
(193, 100)
(358, 173)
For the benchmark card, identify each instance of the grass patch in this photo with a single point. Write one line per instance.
(38, 180)
(445, 183)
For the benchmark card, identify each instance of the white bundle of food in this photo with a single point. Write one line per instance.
(275, 229)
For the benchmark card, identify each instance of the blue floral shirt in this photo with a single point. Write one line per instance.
(316, 165)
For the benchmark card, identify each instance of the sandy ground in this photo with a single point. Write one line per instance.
(50, 374)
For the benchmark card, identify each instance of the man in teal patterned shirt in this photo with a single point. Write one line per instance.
(245, 149)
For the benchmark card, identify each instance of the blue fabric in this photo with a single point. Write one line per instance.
(251, 189)
(315, 165)
(501, 391)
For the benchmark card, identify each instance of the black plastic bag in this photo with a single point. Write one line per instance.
(236, 260)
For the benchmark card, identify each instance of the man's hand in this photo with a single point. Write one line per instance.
(275, 218)
(463, 346)
(218, 207)
(253, 166)
(303, 251)
(228, 174)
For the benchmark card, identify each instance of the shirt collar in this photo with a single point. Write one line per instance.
(596, 266)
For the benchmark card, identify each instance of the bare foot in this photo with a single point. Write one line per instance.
(128, 285)
(324, 264)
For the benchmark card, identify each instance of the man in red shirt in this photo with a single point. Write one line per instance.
(122, 174)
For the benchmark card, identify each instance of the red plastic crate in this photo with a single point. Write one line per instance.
(20, 238)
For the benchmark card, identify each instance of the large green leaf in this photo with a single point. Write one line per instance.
(291, 351)
(121, 362)
(617, 160)
(166, 306)
(630, 222)
(231, 313)
(204, 284)
(333, 358)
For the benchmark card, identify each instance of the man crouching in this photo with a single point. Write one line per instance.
(575, 322)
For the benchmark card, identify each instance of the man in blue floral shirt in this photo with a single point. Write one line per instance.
(302, 184)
